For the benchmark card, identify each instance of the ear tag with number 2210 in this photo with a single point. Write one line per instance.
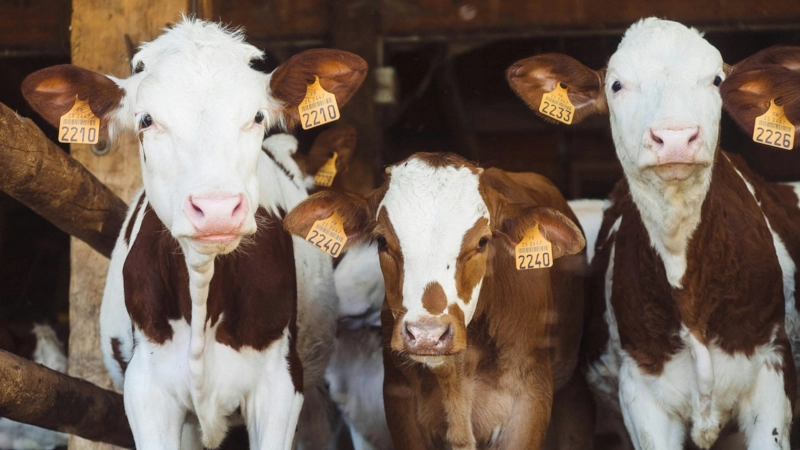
(773, 128)
(318, 108)
(556, 105)
(328, 235)
(79, 125)
(533, 251)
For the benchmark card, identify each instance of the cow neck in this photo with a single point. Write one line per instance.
(718, 286)
(670, 211)
(279, 190)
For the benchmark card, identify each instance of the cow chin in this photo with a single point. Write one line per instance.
(218, 244)
(673, 172)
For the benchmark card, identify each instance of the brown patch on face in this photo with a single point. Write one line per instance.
(117, 353)
(471, 263)
(391, 260)
(434, 299)
(459, 328)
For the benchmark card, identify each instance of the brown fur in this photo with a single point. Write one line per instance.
(254, 288)
(433, 298)
(513, 353)
(721, 279)
(469, 271)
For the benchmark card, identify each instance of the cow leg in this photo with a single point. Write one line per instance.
(271, 409)
(155, 415)
(765, 415)
(649, 425)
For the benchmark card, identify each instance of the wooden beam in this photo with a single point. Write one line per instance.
(33, 394)
(41, 176)
(99, 28)
(35, 27)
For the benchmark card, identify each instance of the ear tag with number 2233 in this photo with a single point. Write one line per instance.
(556, 105)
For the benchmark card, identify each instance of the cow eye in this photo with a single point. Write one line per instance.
(482, 243)
(145, 121)
(717, 80)
(259, 117)
(616, 86)
(381, 243)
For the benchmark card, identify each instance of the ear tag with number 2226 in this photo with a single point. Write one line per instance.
(556, 105)
(328, 235)
(79, 125)
(533, 251)
(318, 108)
(773, 128)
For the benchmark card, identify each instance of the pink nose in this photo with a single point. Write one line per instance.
(675, 145)
(216, 214)
(428, 337)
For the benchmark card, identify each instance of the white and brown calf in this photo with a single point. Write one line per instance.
(209, 306)
(469, 358)
(697, 255)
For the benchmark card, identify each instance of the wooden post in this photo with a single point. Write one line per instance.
(98, 35)
(356, 28)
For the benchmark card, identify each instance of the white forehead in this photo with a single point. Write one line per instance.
(654, 48)
(198, 66)
(431, 208)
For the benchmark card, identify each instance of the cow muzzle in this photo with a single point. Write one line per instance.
(430, 336)
(216, 219)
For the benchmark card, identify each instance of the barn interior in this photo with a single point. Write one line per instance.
(441, 88)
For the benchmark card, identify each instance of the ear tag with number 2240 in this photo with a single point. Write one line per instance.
(533, 251)
(328, 235)
(318, 108)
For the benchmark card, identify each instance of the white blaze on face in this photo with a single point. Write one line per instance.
(664, 74)
(431, 209)
(203, 98)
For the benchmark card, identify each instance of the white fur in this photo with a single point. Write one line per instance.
(359, 285)
(203, 98)
(49, 352)
(431, 209)
(590, 216)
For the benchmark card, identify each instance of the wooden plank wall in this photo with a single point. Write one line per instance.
(98, 43)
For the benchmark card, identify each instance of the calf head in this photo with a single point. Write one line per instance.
(199, 111)
(661, 90)
(438, 226)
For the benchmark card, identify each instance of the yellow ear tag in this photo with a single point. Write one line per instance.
(534, 251)
(773, 128)
(79, 125)
(328, 235)
(327, 172)
(556, 105)
(318, 108)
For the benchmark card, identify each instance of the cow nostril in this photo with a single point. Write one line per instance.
(694, 136)
(408, 334)
(447, 335)
(196, 208)
(655, 138)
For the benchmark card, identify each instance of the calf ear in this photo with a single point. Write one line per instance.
(339, 72)
(563, 234)
(533, 77)
(353, 209)
(788, 57)
(340, 139)
(746, 94)
(52, 92)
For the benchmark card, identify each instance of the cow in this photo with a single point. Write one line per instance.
(210, 308)
(696, 255)
(473, 347)
(39, 343)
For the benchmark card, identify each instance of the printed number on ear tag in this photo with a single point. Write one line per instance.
(79, 125)
(556, 105)
(328, 235)
(533, 251)
(327, 172)
(773, 128)
(318, 108)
